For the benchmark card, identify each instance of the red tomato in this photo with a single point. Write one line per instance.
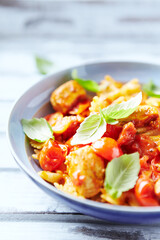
(144, 145)
(113, 131)
(71, 130)
(47, 117)
(127, 135)
(144, 191)
(107, 148)
(144, 163)
(155, 168)
(51, 156)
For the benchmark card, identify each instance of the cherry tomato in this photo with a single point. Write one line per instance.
(51, 156)
(113, 131)
(144, 145)
(80, 107)
(127, 135)
(107, 148)
(144, 191)
(144, 163)
(155, 167)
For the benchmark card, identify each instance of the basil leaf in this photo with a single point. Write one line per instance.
(74, 74)
(107, 119)
(89, 85)
(94, 126)
(151, 89)
(90, 130)
(37, 129)
(122, 174)
(43, 65)
(111, 121)
(124, 109)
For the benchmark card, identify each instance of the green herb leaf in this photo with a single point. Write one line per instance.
(37, 129)
(90, 130)
(44, 66)
(124, 109)
(122, 174)
(107, 119)
(151, 89)
(111, 121)
(89, 85)
(94, 126)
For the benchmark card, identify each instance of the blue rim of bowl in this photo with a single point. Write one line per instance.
(86, 202)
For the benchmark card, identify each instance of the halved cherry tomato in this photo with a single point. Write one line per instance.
(80, 107)
(144, 163)
(107, 148)
(144, 191)
(144, 145)
(127, 135)
(113, 131)
(51, 156)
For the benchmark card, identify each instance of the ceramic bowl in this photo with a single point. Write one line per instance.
(35, 102)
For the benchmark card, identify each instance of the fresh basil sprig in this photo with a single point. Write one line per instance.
(91, 129)
(89, 85)
(121, 174)
(43, 65)
(123, 109)
(37, 129)
(94, 126)
(151, 89)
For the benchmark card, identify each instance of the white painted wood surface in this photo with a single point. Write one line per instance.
(67, 32)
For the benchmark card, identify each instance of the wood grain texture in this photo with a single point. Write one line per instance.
(117, 21)
(77, 228)
(66, 228)
(6, 160)
(68, 33)
(20, 195)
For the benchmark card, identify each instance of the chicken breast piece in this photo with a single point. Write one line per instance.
(143, 115)
(86, 171)
(66, 96)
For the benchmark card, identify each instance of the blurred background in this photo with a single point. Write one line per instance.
(71, 32)
(66, 33)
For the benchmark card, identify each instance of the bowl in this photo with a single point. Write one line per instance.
(35, 102)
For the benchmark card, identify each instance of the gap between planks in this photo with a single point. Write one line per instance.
(54, 217)
(73, 226)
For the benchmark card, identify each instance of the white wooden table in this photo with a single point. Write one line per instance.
(68, 33)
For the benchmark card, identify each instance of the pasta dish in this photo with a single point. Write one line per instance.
(103, 146)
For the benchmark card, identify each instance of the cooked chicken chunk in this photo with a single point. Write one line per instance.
(143, 115)
(66, 96)
(86, 170)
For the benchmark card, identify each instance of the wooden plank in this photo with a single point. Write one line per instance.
(126, 21)
(22, 83)
(6, 160)
(5, 107)
(63, 55)
(20, 69)
(74, 227)
(19, 194)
